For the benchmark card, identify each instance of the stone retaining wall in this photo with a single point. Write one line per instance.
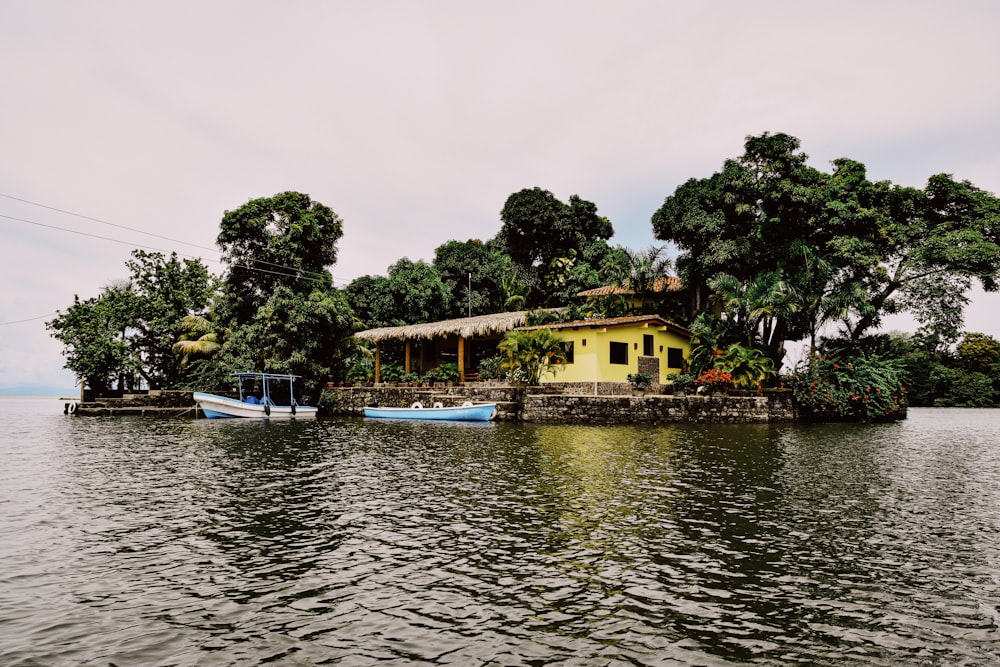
(542, 405)
(656, 409)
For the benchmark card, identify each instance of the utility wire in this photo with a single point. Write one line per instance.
(103, 222)
(133, 229)
(28, 319)
(290, 272)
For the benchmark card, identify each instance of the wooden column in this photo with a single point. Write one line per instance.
(378, 363)
(406, 357)
(461, 359)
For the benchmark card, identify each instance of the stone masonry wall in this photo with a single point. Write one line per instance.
(544, 406)
(655, 408)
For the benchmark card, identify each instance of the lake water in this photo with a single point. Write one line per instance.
(139, 541)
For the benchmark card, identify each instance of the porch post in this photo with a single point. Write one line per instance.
(406, 357)
(461, 358)
(378, 363)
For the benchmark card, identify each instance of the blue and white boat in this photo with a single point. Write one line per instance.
(468, 411)
(252, 405)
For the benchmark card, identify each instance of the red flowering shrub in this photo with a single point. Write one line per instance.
(715, 380)
(866, 389)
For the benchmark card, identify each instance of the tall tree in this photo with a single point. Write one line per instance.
(167, 290)
(287, 240)
(538, 229)
(372, 302)
(850, 248)
(928, 247)
(412, 293)
(418, 292)
(472, 264)
(301, 334)
(741, 220)
(94, 337)
(134, 323)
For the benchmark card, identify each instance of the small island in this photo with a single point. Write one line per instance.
(550, 318)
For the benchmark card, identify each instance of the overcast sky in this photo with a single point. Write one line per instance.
(414, 121)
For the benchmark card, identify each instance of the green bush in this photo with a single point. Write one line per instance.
(640, 381)
(448, 372)
(361, 370)
(391, 372)
(963, 389)
(490, 368)
(681, 381)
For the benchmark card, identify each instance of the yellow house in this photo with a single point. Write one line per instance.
(609, 350)
(604, 350)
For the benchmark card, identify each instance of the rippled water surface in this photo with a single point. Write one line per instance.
(138, 541)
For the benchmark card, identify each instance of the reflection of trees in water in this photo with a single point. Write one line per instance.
(661, 517)
(265, 497)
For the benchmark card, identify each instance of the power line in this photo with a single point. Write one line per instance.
(94, 236)
(104, 222)
(289, 271)
(28, 319)
(133, 229)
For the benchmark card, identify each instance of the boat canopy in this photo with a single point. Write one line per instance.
(265, 380)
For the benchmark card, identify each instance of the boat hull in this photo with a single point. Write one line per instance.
(220, 407)
(482, 412)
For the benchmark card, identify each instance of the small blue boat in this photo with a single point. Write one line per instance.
(467, 412)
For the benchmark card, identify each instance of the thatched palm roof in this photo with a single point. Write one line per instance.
(466, 327)
(665, 284)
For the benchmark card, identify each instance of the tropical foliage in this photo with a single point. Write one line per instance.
(198, 340)
(787, 248)
(863, 389)
(124, 337)
(530, 355)
(640, 381)
(748, 368)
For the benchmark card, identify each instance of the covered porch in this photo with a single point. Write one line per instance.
(463, 341)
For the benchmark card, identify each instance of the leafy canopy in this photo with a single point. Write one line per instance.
(287, 240)
(842, 248)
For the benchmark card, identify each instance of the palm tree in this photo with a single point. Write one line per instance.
(198, 339)
(760, 308)
(514, 290)
(533, 353)
(646, 271)
(826, 295)
(749, 367)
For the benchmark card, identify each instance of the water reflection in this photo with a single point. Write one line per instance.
(355, 542)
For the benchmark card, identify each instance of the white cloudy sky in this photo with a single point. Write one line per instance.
(415, 120)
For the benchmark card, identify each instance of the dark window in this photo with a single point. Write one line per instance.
(675, 357)
(647, 345)
(619, 353)
(568, 349)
